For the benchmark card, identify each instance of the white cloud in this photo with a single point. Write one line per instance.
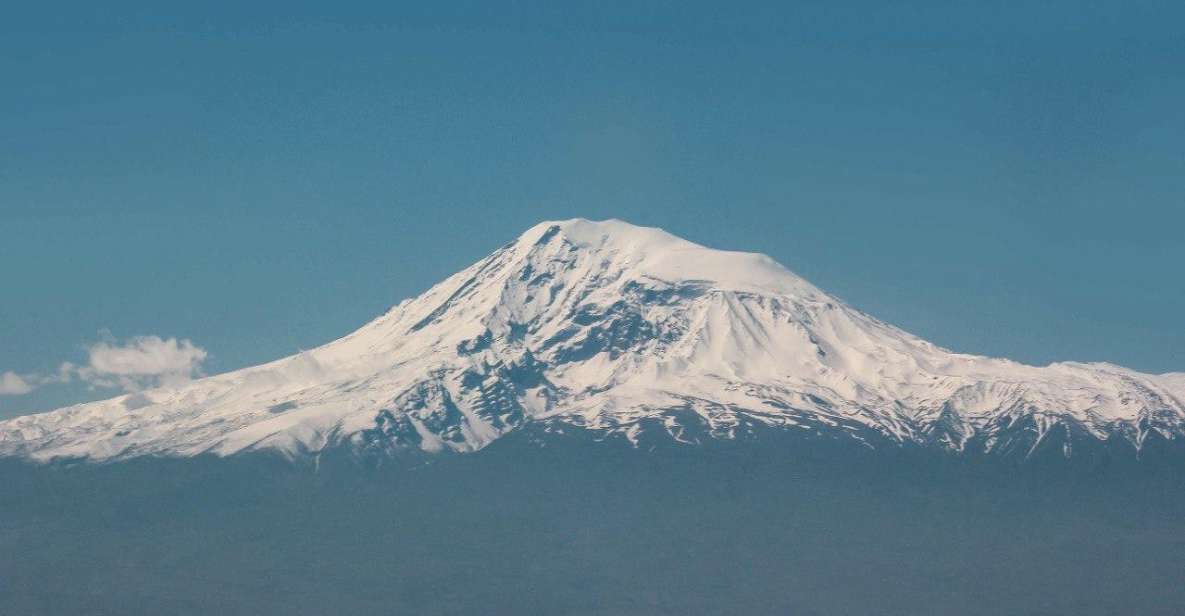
(13, 384)
(142, 362)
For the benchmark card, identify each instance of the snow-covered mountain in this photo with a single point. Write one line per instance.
(620, 332)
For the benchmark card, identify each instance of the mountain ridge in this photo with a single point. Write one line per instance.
(618, 330)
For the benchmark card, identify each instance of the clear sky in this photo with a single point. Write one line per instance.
(1006, 180)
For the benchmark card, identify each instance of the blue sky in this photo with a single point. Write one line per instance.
(1007, 181)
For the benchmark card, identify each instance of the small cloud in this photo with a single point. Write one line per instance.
(141, 363)
(13, 384)
(65, 373)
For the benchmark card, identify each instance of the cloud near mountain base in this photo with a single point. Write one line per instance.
(142, 362)
(13, 384)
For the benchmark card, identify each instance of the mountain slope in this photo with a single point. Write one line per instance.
(623, 332)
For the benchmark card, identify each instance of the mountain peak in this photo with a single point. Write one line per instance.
(588, 233)
(653, 252)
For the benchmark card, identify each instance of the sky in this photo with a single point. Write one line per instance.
(198, 190)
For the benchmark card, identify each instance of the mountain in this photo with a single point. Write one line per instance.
(624, 333)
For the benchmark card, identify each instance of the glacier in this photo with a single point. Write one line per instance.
(622, 333)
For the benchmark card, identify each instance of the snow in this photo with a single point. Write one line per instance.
(601, 325)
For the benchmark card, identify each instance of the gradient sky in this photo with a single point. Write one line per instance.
(1004, 181)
